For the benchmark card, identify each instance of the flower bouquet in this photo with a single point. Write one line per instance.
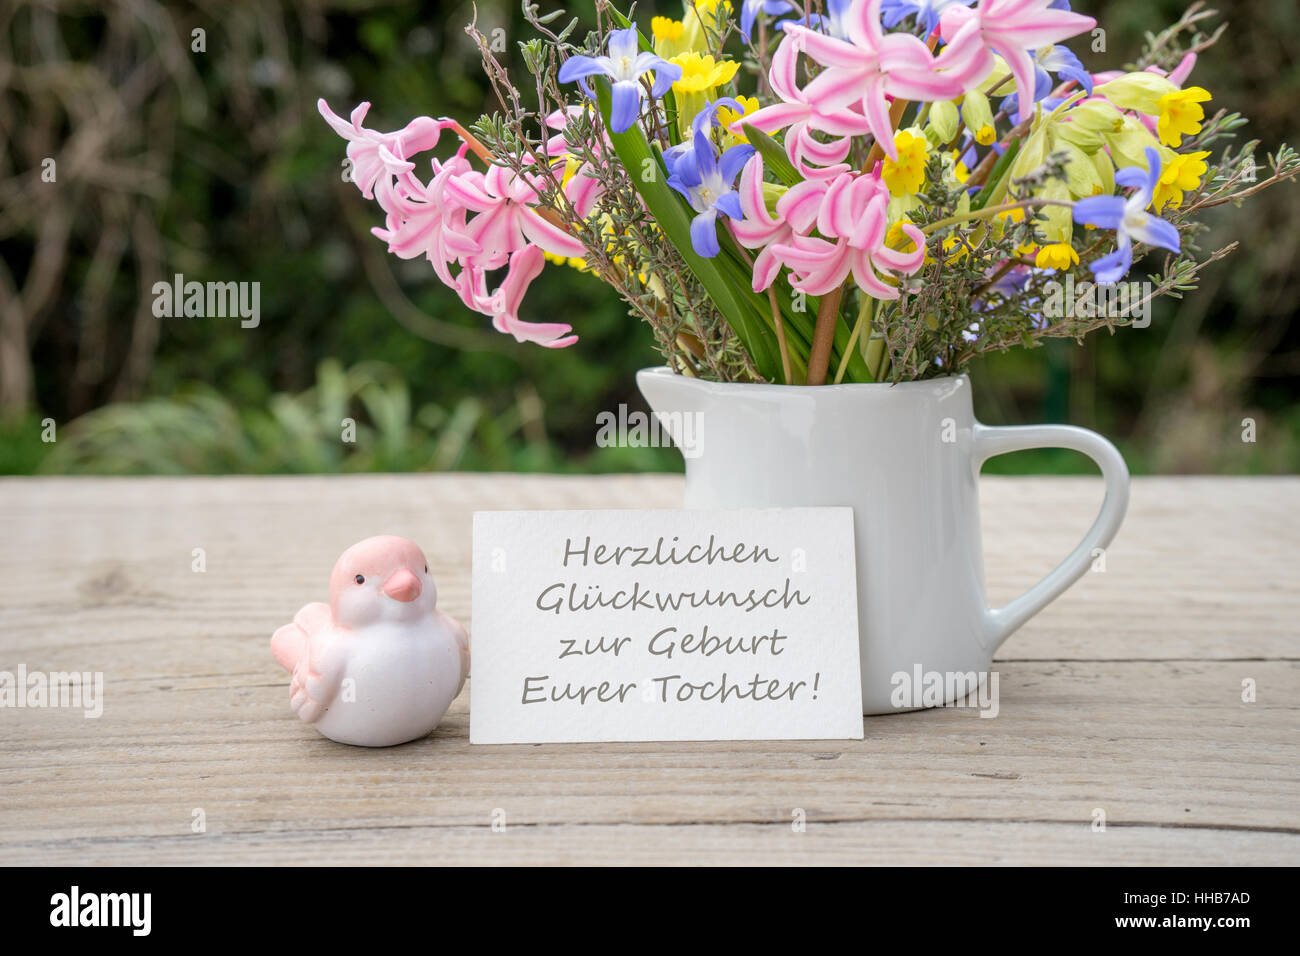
(815, 191)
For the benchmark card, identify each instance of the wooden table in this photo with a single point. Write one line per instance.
(1125, 696)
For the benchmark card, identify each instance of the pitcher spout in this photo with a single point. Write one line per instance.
(679, 405)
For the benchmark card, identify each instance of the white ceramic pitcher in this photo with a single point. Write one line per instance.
(906, 458)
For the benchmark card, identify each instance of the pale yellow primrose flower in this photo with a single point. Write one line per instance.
(1181, 114)
(978, 116)
(1059, 255)
(1140, 92)
(1180, 173)
(941, 122)
(665, 28)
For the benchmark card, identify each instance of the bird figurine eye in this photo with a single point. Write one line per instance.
(360, 579)
(426, 569)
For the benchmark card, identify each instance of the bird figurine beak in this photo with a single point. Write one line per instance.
(402, 586)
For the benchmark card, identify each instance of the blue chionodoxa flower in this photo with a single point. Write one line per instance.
(834, 22)
(696, 171)
(1129, 218)
(1053, 59)
(625, 65)
(749, 12)
(928, 12)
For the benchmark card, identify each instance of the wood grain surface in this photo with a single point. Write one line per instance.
(1125, 696)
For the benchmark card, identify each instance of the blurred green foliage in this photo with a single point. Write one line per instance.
(244, 184)
(358, 419)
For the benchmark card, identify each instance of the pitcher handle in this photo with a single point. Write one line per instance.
(989, 441)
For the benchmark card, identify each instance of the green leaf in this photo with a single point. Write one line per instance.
(773, 154)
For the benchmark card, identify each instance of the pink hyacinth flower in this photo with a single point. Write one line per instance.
(870, 69)
(505, 223)
(794, 106)
(796, 215)
(432, 223)
(1010, 28)
(854, 217)
(759, 229)
(815, 158)
(503, 304)
(379, 159)
(474, 221)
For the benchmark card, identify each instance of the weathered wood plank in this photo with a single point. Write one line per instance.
(960, 843)
(1071, 737)
(1204, 568)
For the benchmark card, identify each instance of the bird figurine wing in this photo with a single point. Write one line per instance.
(309, 693)
(462, 641)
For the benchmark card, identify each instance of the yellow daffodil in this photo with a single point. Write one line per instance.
(1059, 255)
(951, 243)
(665, 28)
(670, 37)
(1181, 173)
(711, 6)
(702, 18)
(900, 241)
(571, 165)
(905, 175)
(701, 74)
(1180, 114)
(727, 116)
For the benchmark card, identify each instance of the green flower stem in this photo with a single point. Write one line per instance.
(877, 357)
(991, 211)
(865, 312)
(777, 319)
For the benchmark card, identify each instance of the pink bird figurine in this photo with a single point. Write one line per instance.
(380, 664)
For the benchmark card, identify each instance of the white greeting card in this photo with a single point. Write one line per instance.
(664, 625)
